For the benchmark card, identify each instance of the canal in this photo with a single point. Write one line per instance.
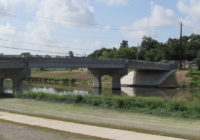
(125, 91)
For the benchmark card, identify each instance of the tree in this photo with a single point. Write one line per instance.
(153, 50)
(149, 43)
(71, 54)
(198, 60)
(124, 44)
(25, 54)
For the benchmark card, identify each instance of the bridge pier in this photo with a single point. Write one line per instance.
(17, 85)
(1, 86)
(116, 83)
(97, 81)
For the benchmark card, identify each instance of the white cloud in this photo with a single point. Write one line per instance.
(67, 12)
(191, 10)
(41, 30)
(146, 26)
(114, 2)
(7, 29)
(7, 6)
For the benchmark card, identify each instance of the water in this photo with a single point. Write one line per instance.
(125, 91)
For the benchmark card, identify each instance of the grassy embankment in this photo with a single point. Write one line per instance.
(120, 119)
(187, 108)
(195, 75)
(77, 77)
(52, 77)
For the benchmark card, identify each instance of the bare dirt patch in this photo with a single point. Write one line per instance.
(182, 79)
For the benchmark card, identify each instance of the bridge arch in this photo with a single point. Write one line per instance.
(16, 85)
(116, 75)
(7, 84)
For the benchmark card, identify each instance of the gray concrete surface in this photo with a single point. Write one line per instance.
(88, 130)
(147, 73)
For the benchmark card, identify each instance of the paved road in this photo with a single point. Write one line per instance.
(76, 128)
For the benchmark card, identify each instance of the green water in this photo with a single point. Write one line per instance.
(187, 93)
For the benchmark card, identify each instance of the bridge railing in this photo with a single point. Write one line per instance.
(89, 62)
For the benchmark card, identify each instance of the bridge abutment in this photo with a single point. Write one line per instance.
(150, 78)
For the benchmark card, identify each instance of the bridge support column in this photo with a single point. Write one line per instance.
(116, 84)
(17, 85)
(1, 86)
(97, 81)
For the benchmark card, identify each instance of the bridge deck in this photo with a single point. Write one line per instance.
(30, 62)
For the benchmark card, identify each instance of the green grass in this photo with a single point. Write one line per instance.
(39, 71)
(195, 75)
(150, 105)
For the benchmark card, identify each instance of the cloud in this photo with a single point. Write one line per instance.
(8, 6)
(41, 29)
(114, 2)
(67, 12)
(146, 26)
(7, 29)
(191, 11)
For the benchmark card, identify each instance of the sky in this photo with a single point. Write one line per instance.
(55, 27)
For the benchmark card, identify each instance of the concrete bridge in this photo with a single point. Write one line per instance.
(19, 69)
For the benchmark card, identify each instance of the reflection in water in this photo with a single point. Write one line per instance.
(125, 91)
(145, 91)
(52, 90)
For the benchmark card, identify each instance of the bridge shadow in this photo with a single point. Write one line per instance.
(6, 96)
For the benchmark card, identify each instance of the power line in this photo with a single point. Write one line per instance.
(90, 25)
(40, 44)
(15, 48)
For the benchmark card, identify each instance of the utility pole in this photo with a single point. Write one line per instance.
(137, 55)
(181, 45)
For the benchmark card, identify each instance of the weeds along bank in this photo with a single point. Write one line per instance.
(189, 108)
(195, 75)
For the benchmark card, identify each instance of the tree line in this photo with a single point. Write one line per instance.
(153, 50)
